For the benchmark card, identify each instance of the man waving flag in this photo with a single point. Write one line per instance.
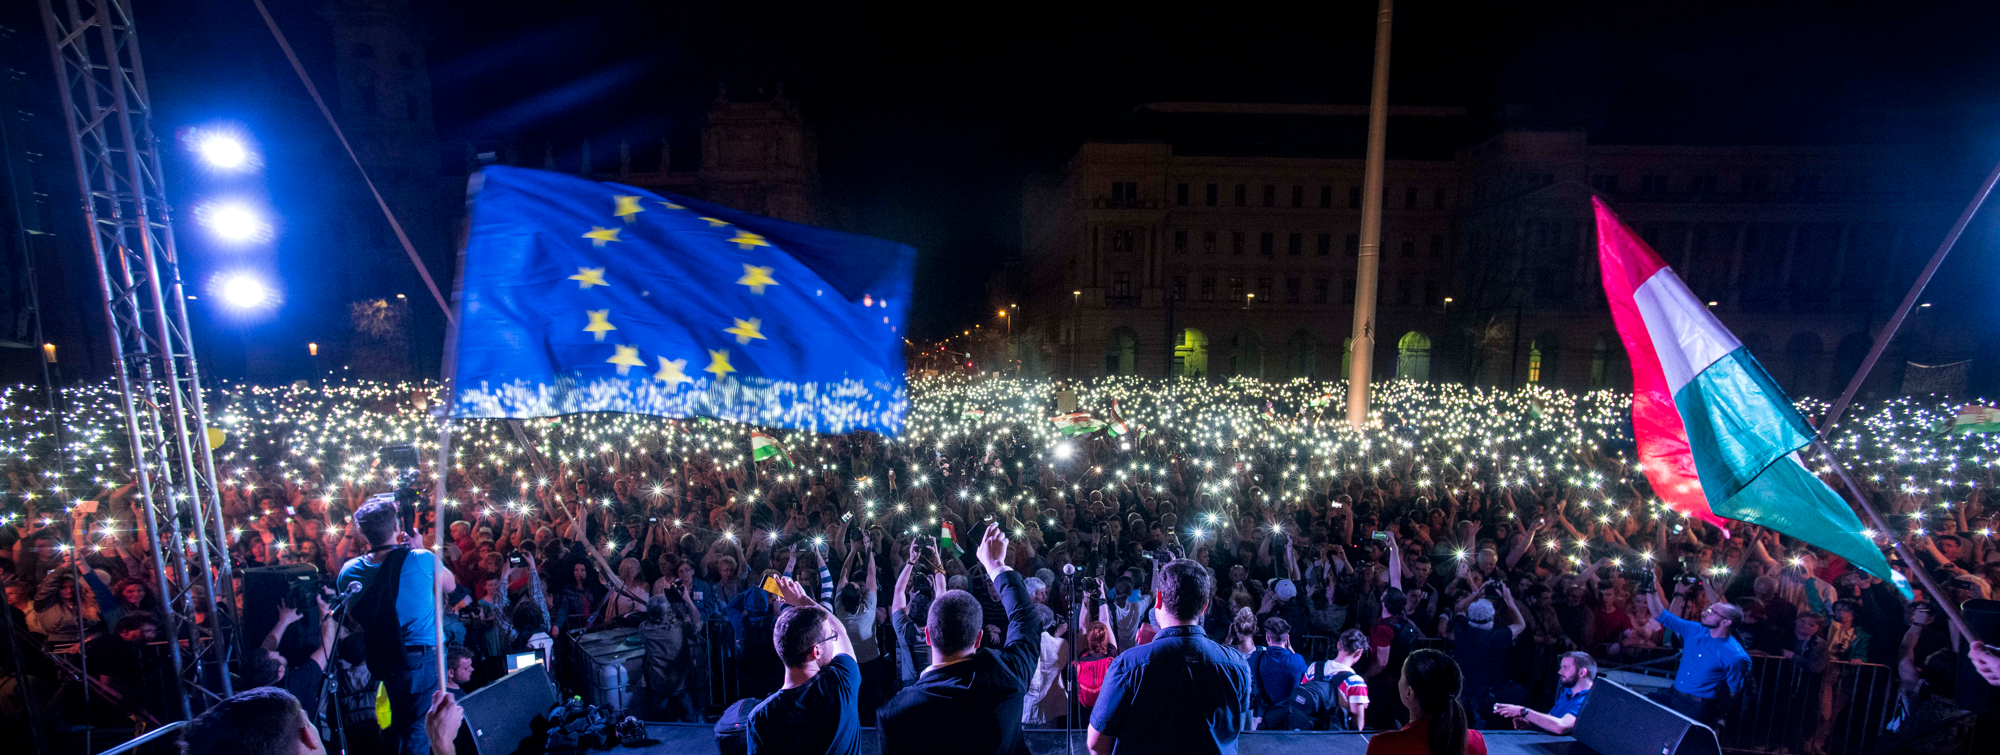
(1716, 434)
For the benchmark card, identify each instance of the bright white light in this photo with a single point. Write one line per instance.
(232, 221)
(1063, 450)
(245, 290)
(223, 151)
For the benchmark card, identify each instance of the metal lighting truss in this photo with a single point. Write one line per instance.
(108, 111)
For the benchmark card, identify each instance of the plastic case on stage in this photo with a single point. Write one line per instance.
(611, 661)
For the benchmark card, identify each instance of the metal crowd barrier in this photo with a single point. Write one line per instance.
(1787, 706)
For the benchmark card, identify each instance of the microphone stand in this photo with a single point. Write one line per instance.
(330, 681)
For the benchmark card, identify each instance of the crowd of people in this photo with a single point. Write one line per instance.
(1466, 563)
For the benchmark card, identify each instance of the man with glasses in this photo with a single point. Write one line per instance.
(818, 710)
(1713, 663)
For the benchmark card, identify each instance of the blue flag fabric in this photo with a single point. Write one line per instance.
(579, 296)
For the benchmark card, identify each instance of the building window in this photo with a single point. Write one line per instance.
(1320, 288)
(1266, 243)
(1236, 288)
(1180, 242)
(1430, 293)
(1235, 242)
(1403, 291)
(1242, 195)
(1325, 247)
(1295, 244)
(1181, 194)
(1353, 245)
(1347, 290)
(1437, 199)
(1124, 191)
(1702, 184)
(1437, 247)
(1326, 197)
(1298, 196)
(1213, 190)
(1292, 290)
(1653, 184)
(1604, 183)
(1121, 284)
(1270, 195)
(1124, 241)
(1409, 246)
(1180, 287)
(1264, 288)
(1207, 242)
(1410, 198)
(1208, 288)
(1354, 197)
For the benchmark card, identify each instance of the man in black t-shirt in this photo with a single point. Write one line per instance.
(120, 660)
(818, 710)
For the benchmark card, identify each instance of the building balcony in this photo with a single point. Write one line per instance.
(1108, 203)
(1124, 301)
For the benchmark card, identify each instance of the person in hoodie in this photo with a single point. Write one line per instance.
(969, 700)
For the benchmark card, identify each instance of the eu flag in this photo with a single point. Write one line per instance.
(579, 296)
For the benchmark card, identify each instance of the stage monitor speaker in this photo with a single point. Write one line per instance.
(1619, 721)
(499, 716)
(263, 592)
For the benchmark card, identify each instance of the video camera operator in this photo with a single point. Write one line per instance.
(399, 617)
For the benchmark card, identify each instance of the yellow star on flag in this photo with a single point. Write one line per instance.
(713, 223)
(586, 277)
(672, 206)
(757, 278)
(628, 207)
(598, 236)
(599, 323)
(626, 359)
(674, 372)
(745, 239)
(718, 363)
(746, 330)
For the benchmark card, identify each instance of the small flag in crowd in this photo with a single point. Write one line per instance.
(948, 540)
(766, 447)
(1974, 418)
(580, 296)
(973, 414)
(1118, 425)
(1077, 423)
(1716, 434)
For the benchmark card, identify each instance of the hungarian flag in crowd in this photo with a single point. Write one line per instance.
(948, 541)
(974, 414)
(1716, 434)
(1118, 424)
(1974, 418)
(1077, 423)
(765, 447)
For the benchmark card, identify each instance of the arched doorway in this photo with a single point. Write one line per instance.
(1608, 368)
(1300, 351)
(1246, 354)
(1191, 354)
(1542, 353)
(1121, 352)
(1413, 356)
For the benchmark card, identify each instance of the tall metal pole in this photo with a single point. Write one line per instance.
(1368, 268)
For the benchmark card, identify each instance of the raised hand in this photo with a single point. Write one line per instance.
(992, 550)
(790, 593)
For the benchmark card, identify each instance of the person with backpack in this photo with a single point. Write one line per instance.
(1274, 670)
(1332, 697)
(399, 619)
(1096, 653)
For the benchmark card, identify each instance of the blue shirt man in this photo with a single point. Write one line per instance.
(1274, 669)
(1713, 663)
(1182, 692)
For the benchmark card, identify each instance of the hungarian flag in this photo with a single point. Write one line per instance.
(1974, 418)
(973, 414)
(1077, 423)
(948, 541)
(1118, 424)
(764, 447)
(1716, 434)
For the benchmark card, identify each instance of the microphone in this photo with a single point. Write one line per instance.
(340, 601)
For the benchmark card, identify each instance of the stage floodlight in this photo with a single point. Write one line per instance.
(234, 222)
(245, 291)
(223, 151)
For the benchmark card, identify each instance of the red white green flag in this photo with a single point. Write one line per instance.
(1974, 418)
(1077, 423)
(948, 540)
(1716, 435)
(765, 447)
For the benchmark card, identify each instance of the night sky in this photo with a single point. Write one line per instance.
(928, 125)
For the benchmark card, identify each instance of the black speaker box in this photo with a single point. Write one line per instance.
(263, 592)
(499, 716)
(1616, 720)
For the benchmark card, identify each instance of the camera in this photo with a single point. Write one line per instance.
(1641, 577)
(517, 558)
(1491, 590)
(304, 589)
(1090, 586)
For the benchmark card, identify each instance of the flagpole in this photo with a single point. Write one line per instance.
(1881, 525)
(1909, 302)
(442, 488)
(1368, 265)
